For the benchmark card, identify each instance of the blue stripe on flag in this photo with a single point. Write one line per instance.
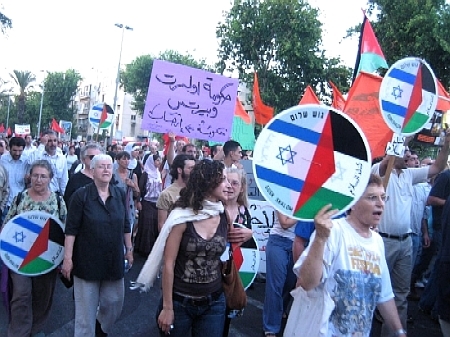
(279, 178)
(402, 76)
(295, 131)
(31, 226)
(16, 251)
(392, 108)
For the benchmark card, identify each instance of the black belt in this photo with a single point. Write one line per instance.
(395, 237)
(197, 301)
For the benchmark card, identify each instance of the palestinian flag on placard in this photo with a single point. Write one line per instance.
(32, 243)
(309, 162)
(370, 56)
(408, 95)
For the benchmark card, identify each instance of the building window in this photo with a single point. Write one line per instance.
(133, 117)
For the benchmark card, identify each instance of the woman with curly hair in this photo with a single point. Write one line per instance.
(193, 238)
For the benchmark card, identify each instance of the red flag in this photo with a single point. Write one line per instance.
(166, 140)
(443, 103)
(338, 98)
(104, 115)
(8, 132)
(363, 107)
(240, 112)
(55, 126)
(2, 128)
(309, 97)
(263, 113)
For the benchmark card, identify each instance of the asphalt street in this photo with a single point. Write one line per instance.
(138, 315)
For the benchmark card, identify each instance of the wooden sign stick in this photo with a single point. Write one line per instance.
(389, 168)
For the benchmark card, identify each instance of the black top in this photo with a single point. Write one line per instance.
(99, 228)
(75, 182)
(440, 189)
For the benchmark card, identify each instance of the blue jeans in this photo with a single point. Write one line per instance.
(428, 299)
(280, 280)
(202, 320)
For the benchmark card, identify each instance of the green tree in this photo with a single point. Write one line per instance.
(60, 88)
(415, 28)
(5, 23)
(136, 76)
(24, 81)
(281, 40)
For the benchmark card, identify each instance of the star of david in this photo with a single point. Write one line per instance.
(19, 236)
(397, 92)
(339, 174)
(289, 158)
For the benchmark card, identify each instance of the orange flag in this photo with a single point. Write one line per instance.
(55, 126)
(363, 107)
(240, 111)
(309, 97)
(443, 103)
(263, 113)
(338, 98)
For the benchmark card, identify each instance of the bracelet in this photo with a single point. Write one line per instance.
(129, 249)
(400, 332)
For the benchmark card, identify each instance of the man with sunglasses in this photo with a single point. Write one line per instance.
(83, 176)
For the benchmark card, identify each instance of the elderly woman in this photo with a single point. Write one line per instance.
(32, 297)
(150, 185)
(192, 293)
(96, 232)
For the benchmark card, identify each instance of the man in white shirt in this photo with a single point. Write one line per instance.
(29, 147)
(48, 150)
(15, 163)
(395, 225)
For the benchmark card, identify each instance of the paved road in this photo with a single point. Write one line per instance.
(138, 316)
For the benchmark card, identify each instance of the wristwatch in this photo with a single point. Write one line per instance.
(400, 332)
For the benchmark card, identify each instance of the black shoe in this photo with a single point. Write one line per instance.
(98, 330)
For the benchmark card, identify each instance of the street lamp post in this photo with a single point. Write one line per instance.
(7, 116)
(40, 111)
(123, 27)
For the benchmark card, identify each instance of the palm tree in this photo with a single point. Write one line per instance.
(23, 80)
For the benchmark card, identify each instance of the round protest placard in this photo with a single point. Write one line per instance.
(309, 156)
(102, 114)
(247, 258)
(32, 243)
(408, 96)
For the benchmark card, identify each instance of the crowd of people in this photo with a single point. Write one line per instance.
(182, 207)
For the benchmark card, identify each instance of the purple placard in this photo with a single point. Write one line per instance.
(189, 102)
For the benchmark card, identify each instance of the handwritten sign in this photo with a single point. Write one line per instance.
(396, 147)
(263, 218)
(189, 102)
(252, 189)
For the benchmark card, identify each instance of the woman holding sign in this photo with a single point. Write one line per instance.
(32, 296)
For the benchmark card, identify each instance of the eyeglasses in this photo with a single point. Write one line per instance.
(104, 167)
(375, 198)
(235, 183)
(39, 176)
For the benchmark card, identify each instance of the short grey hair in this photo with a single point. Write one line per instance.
(90, 146)
(99, 157)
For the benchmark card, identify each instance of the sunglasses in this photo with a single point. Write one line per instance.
(90, 156)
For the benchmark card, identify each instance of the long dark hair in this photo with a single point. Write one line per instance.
(204, 178)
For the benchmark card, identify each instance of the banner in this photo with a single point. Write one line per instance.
(22, 129)
(189, 102)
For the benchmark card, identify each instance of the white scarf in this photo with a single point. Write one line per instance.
(178, 216)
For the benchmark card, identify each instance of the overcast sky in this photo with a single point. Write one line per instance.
(52, 35)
